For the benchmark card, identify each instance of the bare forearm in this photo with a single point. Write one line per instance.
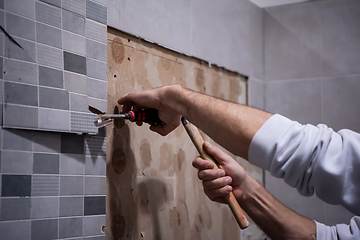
(231, 125)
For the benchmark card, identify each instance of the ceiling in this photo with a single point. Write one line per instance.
(270, 3)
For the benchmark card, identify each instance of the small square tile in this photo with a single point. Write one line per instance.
(92, 225)
(75, 83)
(48, 35)
(20, 27)
(96, 69)
(17, 139)
(70, 227)
(45, 185)
(49, 56)
(72, 143)
(26, 52)
(20, 94)
(74, 63)
(46, 142)
(73, 22)
(96, 31)
(45, 163)
(48, 14)
(94, 205)
(20, 116)
(84, 123)
(76, 6)
(15, 209)
(71, 185)
(74, 43)
(44, 229)
(72, 164)
(16, 162)
(51, 119)
(56, 3)
(78, 103)
(96, 88)
(16, 185)
(53, 98)
(15, 230)
(96, 12)
(44, 207)
(96, 50)
(95, 185)
(19, 71)
(95, 165)
(71, 206)
(24, 8)
(50, 77)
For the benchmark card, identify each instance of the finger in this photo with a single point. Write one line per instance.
(127, 107)
(216, 193)
(210, 174)
(202, 164)
(217, 183)
(221, 157)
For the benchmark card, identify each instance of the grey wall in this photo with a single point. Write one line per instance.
(312, 75)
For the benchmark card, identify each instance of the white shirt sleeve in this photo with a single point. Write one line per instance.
(314, 159)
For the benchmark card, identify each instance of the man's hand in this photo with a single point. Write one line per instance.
(219, 182)
(154, 98)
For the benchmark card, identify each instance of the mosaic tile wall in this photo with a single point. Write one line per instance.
(52, 65)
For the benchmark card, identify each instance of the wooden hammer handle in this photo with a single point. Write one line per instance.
(198, 141)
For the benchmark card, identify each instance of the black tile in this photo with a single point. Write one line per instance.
(74, 63)
(20, 94)
(72, 143)
(50, 77)
(16, 185)
(46, 163)
(44, 229)
(53, 98)
(94, 205)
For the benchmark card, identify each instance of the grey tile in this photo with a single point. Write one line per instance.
(95, 186)
(97, 103)
(48, 35)
(95, 165)
(256, 93)
(44, 207)
(15, 230)
(44, 229)
(24, 8)
(20, 116)
(1, 68)
(92, 225)
(341, 51)
(46, 163)
(53, 98)
(71, 185)
(76, 6)
(1, 95)
(71, 206)
(96, 88)
(2, 18)
(73, 22)
(74, 43)
(16, 162)
(49, 56)
(52, 119)
(281, 98)
(1, 40)
(50, 77)
(74, 63)
(96, 50)
(20, 94)
(96, 69)
(78, 103)
(94, 205)
(72, 143)
(19, 71)
(96, 31)
(56, 3)
(70, 227)
(83, 123)
(96, 12)
(95, 146)
(114, 11)
(17, 139)
(293, 38)
(75, 83)
(338, 93)
(46, 142)
(15, 185)
(20, 27)
(15, 209)
(1, 4)
(26, 52)
(72, 164)
(48, 14)
(45, 185)
(336, 214)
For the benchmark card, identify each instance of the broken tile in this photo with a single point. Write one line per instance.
(20, 94)
(53, 98)
(73, 22)
(83, 123)
(74, 63)
(52, 119)
(78, 103)
(97, 103)
(19, 71)
(48, 35)
(20, 27)
(48, 14)
(50, 77)
(15, 185)
(20, 116)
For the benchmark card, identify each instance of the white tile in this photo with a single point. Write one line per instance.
(51, 119)
(75, 82)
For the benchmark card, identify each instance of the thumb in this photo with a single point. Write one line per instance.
(221, 157)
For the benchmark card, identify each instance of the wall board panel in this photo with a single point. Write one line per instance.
(152, 190)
